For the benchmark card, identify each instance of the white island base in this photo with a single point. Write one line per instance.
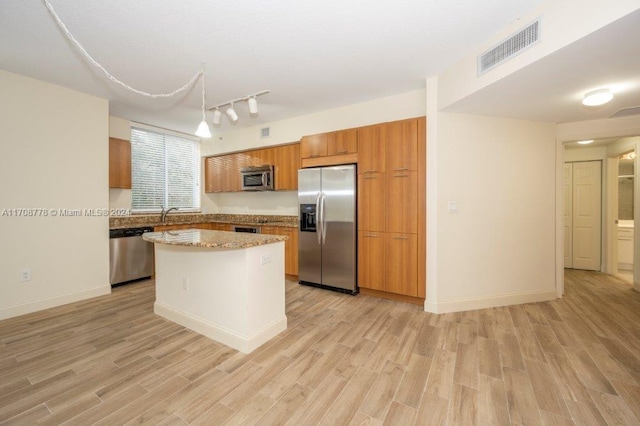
(233, 296)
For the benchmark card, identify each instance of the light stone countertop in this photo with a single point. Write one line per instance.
(196, 218)
(211, 239)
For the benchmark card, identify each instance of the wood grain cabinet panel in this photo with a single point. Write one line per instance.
(342, 142)
(401, 264)
(119, 163)
(402, 202)
(313, 146)
(371, 202)
(286, 165)
(401, 139)
(371, 263)
(290, 246)
(371, 149)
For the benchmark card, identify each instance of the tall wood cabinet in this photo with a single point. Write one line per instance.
(391, 207)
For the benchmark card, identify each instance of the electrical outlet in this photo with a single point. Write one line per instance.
(185, 283)
(25, 275)
(266, 258)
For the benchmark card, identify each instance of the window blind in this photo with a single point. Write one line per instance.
(165, 171)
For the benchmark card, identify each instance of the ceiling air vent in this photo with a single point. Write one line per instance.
(626, 112)
(264, 132)
(509, 48)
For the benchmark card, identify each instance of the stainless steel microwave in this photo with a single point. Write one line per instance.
(259, 178)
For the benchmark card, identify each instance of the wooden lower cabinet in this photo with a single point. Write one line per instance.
(388, 262)
(401, 264)
(371, 260)
(290, 246)
(219, 226)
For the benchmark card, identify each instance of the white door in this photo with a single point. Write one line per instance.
(587, 212)
(567, 216)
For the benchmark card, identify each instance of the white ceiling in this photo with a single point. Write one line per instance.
(313, 55)
(552, 88)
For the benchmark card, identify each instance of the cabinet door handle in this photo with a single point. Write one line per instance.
(341, 152)
(371, 236)
(370, 171)
(370, 177)
(401, 169)
(400, 175)
(315, 155)
(400, 238)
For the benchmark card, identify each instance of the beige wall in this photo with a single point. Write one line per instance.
(500, 247)
(53, 156)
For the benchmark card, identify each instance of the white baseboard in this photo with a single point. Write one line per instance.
(244, 344)
(488, 302)
(39, 305)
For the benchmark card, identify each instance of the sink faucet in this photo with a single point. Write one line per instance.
(163, 213)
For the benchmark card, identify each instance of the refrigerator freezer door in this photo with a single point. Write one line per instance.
(339, 227)
(309, 249)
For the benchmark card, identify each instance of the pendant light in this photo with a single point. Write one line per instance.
(203, 129)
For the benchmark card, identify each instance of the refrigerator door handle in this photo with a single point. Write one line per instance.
(319, 218)
(324, 221)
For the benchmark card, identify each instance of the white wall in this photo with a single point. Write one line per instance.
(563, 22)
(121, 129)
(54, 155)
(500, 248)
(398, 107)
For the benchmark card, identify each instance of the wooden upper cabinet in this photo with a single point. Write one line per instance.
(286, 164)
(222, 173)
(313, 146)
(342, 142)
(119, 163)
(371, 149)
(401, 139)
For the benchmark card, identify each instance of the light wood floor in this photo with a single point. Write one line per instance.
(342, 360)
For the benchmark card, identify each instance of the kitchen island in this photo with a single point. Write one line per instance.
(224, 285)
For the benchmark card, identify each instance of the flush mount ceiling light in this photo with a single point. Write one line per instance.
(597, 97)
(231, 112)
(586, 142)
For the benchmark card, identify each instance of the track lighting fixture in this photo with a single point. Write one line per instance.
(253, 105)
(251, 100)
(231, 113)
(217, 117)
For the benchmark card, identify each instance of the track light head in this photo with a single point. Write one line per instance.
(217, 117)
(231, 113)
(253, 105)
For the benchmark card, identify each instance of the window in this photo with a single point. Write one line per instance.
(165, 171)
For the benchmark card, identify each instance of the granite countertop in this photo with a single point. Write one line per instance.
(211, 239)
(136, 221)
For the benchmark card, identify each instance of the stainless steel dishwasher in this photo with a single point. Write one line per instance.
(130, 257)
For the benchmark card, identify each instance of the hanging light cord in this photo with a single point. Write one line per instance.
(204, 83)
(63, 27)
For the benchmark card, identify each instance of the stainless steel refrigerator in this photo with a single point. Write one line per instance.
(327, 229)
